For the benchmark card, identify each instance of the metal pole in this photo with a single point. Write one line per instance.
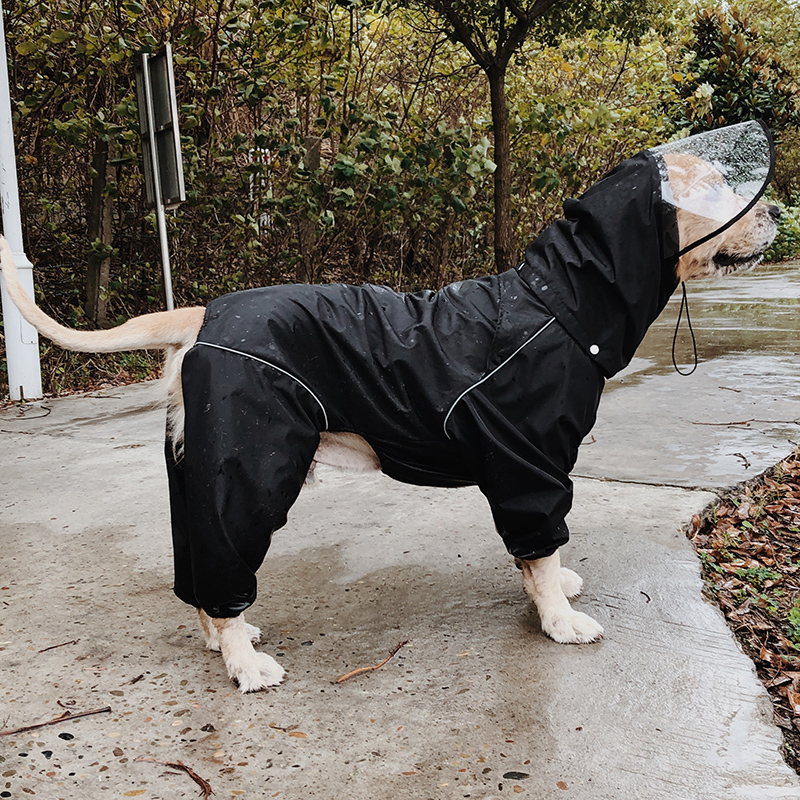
(22, 340)
(160, 217)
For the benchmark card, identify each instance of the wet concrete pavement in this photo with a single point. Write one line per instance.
(479, 703)
(735, 416)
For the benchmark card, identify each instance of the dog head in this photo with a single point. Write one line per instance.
(703, 203)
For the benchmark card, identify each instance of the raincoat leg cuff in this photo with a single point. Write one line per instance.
(536, 554)
(542, 544)
(232, 609)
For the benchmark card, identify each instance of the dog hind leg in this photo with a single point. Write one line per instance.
(253, 671)
(210, 632)
(544, 583)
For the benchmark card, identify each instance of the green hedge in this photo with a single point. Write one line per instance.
(786, 246)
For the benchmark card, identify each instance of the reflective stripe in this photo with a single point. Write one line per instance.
(274, 366)
(486, 377)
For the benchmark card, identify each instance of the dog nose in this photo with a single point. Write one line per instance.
(774, 211)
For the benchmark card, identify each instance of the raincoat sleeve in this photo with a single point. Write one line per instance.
(529, 494)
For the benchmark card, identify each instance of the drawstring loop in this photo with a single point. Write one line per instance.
(684, 304)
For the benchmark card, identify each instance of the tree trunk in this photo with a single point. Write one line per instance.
(504, 244)
(99, 228)
(304, 271)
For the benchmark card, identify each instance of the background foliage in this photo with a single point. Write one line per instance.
(329, 141)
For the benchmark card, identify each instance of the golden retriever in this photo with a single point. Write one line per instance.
(739, 247)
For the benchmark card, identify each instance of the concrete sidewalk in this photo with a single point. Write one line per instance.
(479, 703)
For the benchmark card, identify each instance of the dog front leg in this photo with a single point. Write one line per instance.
(210, 632)
(548, 586)
(251, 670)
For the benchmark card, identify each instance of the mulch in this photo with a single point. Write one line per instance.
(749, 546)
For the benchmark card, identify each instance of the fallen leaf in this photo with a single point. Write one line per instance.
(297, 734)
(794, 701)
(562, 785)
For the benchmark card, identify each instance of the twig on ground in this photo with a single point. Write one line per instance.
(65, 717)
(134, 680)
(205, 787)
(748, 421)
(53, 646)
(369, 669)
(744, 459)
(722, 424)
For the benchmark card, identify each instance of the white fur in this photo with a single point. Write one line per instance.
(571, 582)
(545, 584)
(252, 671)
(210, 631)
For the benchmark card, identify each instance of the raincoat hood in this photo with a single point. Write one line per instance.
(607, 269)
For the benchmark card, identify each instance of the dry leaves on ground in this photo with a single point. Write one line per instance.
(749, 544)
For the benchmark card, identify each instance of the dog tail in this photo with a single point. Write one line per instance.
(159, 331)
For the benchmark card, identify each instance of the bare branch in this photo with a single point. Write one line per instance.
(482, 57)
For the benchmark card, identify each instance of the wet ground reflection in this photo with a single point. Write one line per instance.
(737, 414)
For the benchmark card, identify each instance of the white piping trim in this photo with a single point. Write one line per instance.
(274, 366)
(486, 377)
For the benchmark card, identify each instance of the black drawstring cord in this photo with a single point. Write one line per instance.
(684, 304)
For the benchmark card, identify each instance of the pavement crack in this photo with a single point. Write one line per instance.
(689, 488)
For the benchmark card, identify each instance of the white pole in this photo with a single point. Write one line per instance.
(22, 341)
(160, 217)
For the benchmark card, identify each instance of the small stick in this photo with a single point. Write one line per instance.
(53, 646)
(65, 717)
(746, 462)
(369, 669)
(725, 424)
(205, 787)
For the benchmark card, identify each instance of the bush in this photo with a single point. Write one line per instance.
(787, 241)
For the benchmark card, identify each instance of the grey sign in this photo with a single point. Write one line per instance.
(158, 70)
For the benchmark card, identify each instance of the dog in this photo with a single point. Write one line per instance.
(738, 247)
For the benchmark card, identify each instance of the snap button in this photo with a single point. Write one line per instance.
(594, 349)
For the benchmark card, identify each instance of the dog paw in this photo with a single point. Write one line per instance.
(253, 633)
(572, 627)
(571, 582)
(258, 671)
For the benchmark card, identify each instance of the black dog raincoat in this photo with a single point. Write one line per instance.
(493, 381)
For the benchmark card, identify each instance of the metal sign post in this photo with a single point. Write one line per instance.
(163, 165)
(22, 341)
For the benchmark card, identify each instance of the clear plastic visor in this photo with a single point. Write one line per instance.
(717, 176)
